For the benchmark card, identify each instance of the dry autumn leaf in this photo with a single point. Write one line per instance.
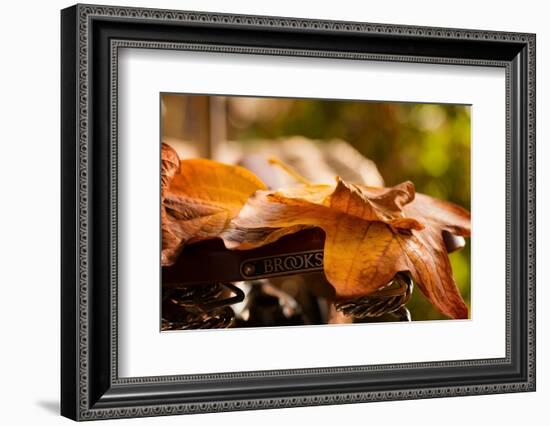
(200, 200)
(371, 234)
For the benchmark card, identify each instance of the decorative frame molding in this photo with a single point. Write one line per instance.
(91, 37)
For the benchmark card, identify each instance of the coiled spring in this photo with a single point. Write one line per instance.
(390, 299)
(200, 307)
(208, 306)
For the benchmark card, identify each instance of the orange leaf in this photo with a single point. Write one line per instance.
(371, 234)
(376, 204)
(200, 200)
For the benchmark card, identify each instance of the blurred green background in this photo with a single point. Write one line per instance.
(428, 144)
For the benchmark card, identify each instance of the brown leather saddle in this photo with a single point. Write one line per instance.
(199, 289)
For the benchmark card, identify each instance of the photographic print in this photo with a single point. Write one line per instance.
(283, 212)
(331, 192)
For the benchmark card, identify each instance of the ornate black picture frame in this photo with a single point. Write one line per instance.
(91, 36)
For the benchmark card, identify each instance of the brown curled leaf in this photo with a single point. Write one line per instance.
(200, 201)
(371, 234)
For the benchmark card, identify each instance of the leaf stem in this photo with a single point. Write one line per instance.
(289, 170)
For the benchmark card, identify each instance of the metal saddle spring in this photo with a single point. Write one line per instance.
(390, 299)
(200, 307)
(207, 306)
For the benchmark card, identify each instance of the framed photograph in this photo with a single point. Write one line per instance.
(263, 212)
